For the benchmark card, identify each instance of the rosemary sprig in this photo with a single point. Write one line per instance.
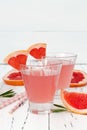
(57, 105)
(60, 108)
(9, 93)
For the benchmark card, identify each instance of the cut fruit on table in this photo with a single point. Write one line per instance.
(14, 78)
(16, 58)
(79, 78)
(75, 101)
(37, 50)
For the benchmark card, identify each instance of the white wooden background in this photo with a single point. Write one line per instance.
(60, 23)
(43, 15)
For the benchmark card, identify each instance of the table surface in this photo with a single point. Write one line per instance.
(22, 119)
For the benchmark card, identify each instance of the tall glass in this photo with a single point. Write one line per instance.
(40, 79)
(68, 62)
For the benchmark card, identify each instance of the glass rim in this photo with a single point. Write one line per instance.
(62, 54)
(42, 65)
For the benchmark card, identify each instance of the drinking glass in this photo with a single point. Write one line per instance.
(68, 62)
(40, 80)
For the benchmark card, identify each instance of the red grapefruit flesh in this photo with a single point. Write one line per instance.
(79, 78)
(16, 58)
(37, 50)
(75, 101)
(14, 78)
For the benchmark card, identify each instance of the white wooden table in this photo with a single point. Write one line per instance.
(22, 119)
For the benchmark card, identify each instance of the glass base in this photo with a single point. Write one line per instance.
(40, 108)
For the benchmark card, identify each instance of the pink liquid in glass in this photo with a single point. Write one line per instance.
(40, 89)
(65, 75)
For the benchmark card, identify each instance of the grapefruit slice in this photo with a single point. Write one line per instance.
(79, 78)
(75, 101)
(14, 78)
(16, 58)
(37, 50)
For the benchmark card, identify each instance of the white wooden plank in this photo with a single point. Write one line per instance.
(43, 15)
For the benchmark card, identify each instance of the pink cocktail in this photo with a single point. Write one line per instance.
(39, 88)
(40, 79)
(68, 62)
(65, 75)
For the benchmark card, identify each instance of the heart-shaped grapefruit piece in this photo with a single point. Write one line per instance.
(16, 58)
(37, 50)
(79, 78)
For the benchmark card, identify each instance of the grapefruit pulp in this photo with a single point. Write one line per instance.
(14, 78)
(75, 101)
(79, 78)
(37, 50)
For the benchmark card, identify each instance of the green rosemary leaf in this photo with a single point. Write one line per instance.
(58, 110)
(9, 93)
(59, 106)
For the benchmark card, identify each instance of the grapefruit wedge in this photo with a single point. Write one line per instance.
(14, 78)
(37, 50)
(16, 58)
(79, 78)
(75, 101)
